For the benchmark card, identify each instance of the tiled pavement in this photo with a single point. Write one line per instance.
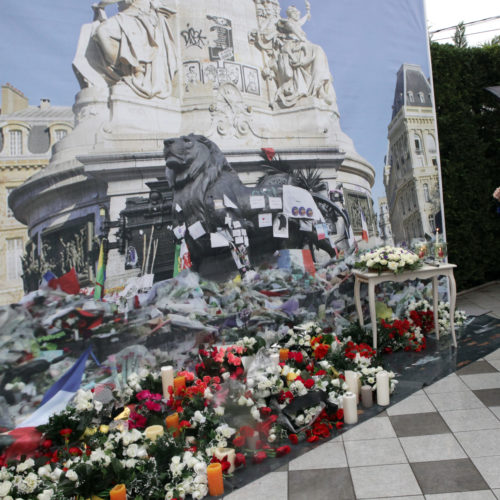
(441, 443)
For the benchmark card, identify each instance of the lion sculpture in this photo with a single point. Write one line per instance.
(210, 198)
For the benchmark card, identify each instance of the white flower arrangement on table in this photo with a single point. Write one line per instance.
(389, 258)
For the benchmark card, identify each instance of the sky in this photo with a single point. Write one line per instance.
(366, 42)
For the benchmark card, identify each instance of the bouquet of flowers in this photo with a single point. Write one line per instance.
(389, 258)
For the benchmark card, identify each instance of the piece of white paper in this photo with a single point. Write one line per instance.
(275, 203)
(229, 203)
(280, 226)
(237, 232)
(322, 231)
(178, 208)
(218, 240)
(299, 203)
(306, 225)
(246, 241)
(257, 202)
(243, 232)
(196, 230)
(227, 221)
(265, 220)
(218, 204)
(239, 240)
(180, 231)
(236, 224)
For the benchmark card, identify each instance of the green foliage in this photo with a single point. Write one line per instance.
(459, 38)
(469, 140)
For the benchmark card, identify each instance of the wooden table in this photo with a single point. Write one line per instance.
(373, 278)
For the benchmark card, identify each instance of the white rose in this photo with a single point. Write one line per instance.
(45, 495)
(219, 411)
(72, 475)
(132, 450)
(5, 488)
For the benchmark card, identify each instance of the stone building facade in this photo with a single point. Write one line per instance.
(384, 222)
(27, 134)
(411, 175)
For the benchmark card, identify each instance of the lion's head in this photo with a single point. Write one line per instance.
(190, 156)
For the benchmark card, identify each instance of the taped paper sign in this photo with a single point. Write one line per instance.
(275, 203)
(306, 225)
(299, 203)
(196, 230)
(228, 202)
(218, 204)
(180, 231)
(218, 240)
(257, 202)
(280, 226)
(265, 220)
(178, 208)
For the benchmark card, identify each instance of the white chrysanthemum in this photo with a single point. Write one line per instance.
(24, 466)
(5, 488)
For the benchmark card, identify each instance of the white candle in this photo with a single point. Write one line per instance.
(275, 358)
(230, 455)
(383, 388)
(367, 396)
(352, 381)
(167, 380)
(349, 404)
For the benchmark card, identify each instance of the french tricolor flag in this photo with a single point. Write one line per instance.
(364, 228)
(60, 394)
(288, 259)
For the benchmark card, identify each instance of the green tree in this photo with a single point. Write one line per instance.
(469, 139)
(459, 38)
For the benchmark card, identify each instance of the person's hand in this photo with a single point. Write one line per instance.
(496, 194)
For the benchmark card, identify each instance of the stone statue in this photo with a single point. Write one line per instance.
(298, 67)
(136, 46)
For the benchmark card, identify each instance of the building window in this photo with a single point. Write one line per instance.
(14, 254)
(16, 142)
(435, 162)
(432, 224)
(410, 96)
(8, 211)
(421, 97)
(418, 146)
(60, 133)
(427, 197)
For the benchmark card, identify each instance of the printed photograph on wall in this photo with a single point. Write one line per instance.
(241, 140)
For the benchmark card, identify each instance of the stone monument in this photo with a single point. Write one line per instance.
(240, 73)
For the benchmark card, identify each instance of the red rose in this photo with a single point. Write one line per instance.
(74, 450)
(340, 414)
(240, 459)
(312, 438)
(184, 423)
(259, 457)
(47, 443)
(246, 431)
(321, 351)
(293, 438)
(283, 450)
(309, 383)
(265, 411)
(239, 441)
(65, 432)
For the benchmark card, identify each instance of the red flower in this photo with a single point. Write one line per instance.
(294, 439)
(321, 351)
(47, 443)
(239, 441)
(283, 450)
(224, 463)
(247, 431)
(308, 383)
(65, 432)
(339, 425)
(74, 450)
(312, 438)
(240, 459)
(184, 423)
(340, 414)
(259, 457)
(152, 406)
(265, 411)
(143, 395)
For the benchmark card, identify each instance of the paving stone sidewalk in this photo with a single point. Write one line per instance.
(440, 443)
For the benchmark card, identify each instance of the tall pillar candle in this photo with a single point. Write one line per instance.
(172, 422)
(215, 481)
(119, 492)
(275, 358)
(284, 354)
(349, 404)
(229, 454)
(179, 384)
(352, 381)
(167, 380)
(383, 398)
(366, 396)
(153, 432)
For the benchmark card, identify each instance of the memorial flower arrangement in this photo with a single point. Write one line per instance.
(133, 434)
(389, 258)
